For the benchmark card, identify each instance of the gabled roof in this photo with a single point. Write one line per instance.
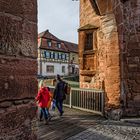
(44, 45)
(65, 45)
(46, 34)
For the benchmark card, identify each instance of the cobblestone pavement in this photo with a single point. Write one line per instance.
(79, 125)
(110, 130)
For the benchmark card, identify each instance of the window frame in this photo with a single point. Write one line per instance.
(59, 45)
(48, 69)
(63, 69)
(60, 56)
(47, 54)
(63, 56)
(89, 38)
(49, 43)
(51, 55)
(55, 55)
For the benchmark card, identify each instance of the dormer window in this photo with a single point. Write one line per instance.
(49, 43)
(59, 45)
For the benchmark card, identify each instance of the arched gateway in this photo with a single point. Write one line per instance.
(109, 51)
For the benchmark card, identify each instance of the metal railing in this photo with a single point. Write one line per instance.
(85, 99)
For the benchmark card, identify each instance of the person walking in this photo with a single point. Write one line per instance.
(59, 94)
(43, 98)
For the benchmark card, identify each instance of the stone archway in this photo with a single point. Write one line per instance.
(18, 68)
(113, 61)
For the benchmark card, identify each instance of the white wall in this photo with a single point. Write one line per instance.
(57, 69)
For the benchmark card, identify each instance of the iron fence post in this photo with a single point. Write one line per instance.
(70, 98)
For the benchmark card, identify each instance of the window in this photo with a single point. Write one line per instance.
(89, 41)
(63, 56)
(56, 56)
(63, 69)
(49, 43)
(60, 56)
(66, 56)
(47, 54)
(52, 56)
(50, 69)
(59, 45)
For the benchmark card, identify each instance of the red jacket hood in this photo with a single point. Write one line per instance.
(44, 89)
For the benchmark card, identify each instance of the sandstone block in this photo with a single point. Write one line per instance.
(17, 79)
(133, 45)
(17, 37)
(5, 104)
(15, 122)
(132, 68)
(134, 52)
(26, 9)
(87, 78)
(17, 66)
(113, 60)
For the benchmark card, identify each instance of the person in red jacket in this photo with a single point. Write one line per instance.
(43, 98)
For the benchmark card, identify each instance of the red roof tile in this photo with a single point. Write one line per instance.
(65, 46)
(46, 34)
(44, 45)
(72, 47)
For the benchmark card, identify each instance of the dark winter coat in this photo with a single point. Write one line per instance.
(59, 93)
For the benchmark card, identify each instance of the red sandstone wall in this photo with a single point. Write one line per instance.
(106, 52)
(18, 68)
(128, 21)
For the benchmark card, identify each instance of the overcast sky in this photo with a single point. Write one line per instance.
(61, 17)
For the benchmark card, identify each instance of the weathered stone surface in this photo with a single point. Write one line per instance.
(87, 72)
(104, 6)
(115, 114)
(17, 66)
(17, 37)
(105, 61)
(87, 79)
(117, 53)
(26, 9)
(18, 69)
(26, 88)
(5, 104)
(18, 80)
(130, 60)
(16, 122)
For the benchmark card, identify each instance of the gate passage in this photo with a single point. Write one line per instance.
(85, 99)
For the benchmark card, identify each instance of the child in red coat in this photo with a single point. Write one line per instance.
(43, 98)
